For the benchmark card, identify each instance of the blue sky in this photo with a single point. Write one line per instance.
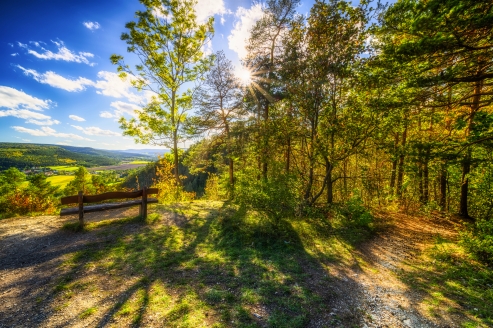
(57, 85)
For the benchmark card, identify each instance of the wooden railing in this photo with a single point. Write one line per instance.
(81, 199)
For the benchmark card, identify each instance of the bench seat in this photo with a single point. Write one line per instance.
(106, 206)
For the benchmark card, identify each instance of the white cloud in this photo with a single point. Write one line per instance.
(121, 108)
(112, 85)
(48, 132)
(15, 99)
(76, 118)
(92, 25)
(63, 53)
(58, 81)
(45, 122)
(95, 131)
(14, 54)
(246, 19)
(106, 114)
(29, 116)
(206, 8)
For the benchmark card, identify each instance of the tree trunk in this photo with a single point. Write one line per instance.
(466, 163)
(175, 155)
(394, 164)
(443, 187)
(426, 179)
(265, 148)
(330, 192)
(400, 168)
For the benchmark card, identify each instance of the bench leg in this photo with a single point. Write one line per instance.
(81, 209)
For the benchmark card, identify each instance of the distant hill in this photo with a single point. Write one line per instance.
(23, 155)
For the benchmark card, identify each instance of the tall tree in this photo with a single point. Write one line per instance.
(264, 51)
(219, 102)
(169, 44)
(450, 45)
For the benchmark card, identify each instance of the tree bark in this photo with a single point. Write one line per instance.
(400, 168)
(443, 187)
(466, 163)
(328, 178)
(394, 164)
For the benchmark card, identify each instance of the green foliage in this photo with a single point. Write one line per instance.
(19, 196)
(353, 213)
(82, 182)
(213, 190)
(478, 239)
(169, 45)
(277, 197)
(43, 197)
(170, 190)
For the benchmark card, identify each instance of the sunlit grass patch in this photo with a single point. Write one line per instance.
(207, 264)
(60, 180)
(454, 282)
(87, 312)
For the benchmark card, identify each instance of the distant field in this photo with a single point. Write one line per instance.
(60, 180)
(117, 167)
(140, 162)
(64, 168)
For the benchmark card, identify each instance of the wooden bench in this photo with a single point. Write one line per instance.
(81, 199)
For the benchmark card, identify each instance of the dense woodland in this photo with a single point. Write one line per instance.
(383, 105)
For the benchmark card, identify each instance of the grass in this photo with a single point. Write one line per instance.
(60, 180)
(64, 168)
(217, 267)
(139, 162)
(454, 282)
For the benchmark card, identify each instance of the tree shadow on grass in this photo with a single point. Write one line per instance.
(208, 266)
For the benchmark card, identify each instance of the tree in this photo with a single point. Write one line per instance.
(265, 47)
(82, 182)
(169, 44)
(219, 103)
(42, 195)
(449, 45)
(322, 61)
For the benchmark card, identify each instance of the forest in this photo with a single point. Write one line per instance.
(349, 112)
(378, 104)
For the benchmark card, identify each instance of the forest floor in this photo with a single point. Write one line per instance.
(200, 264)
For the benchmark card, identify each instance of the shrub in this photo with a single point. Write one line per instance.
(354, 213)
(276, 197)
(478, 239)
(169, 190)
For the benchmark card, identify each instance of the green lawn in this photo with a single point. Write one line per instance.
(60, 180)
(139, 162)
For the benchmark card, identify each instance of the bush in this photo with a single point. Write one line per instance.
(478, 239)
(354, 213)
(276, 197)
(169, 190)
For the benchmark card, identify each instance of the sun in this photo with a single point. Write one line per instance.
(244, 75)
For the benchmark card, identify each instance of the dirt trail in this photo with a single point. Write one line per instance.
(369, 291)
(375, 288)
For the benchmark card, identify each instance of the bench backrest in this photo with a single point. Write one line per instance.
(107, 196)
